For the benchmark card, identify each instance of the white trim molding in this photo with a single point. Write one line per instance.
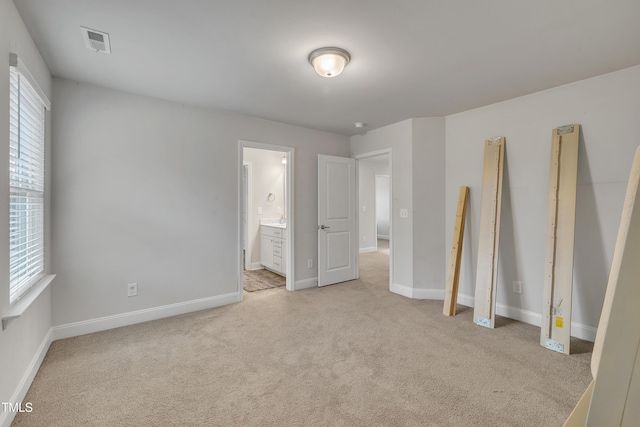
(15, 61)
(255, 266)
(20, 306)
(367, 250)
(306, 283)
(416, 293)
(405, 291)
(578, 330)
(131, 318)
(362, 156)
(6, 417)
(289, 208)
(433, 294)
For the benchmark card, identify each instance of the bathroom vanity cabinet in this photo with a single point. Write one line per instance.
(273, 248)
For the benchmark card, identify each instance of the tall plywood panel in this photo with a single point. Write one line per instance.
(555, 331)
(613, 398)
(491, 206)
(615, 364)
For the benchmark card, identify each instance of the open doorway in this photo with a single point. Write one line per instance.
(374, 218)
(265, 226)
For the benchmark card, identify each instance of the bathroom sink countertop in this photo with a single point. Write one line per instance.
(273, 223)
(276, 225)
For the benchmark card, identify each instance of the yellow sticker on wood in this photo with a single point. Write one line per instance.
(559, 322)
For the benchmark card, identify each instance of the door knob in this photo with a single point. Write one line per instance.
(322, 227)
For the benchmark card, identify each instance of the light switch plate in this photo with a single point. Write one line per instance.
(404, 213)
(517, 287)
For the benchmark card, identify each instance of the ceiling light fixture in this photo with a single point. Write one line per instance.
(329, 61)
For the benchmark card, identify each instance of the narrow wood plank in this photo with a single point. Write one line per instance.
(453, 277)
(555, 332)
(615, 363)
(489, 236)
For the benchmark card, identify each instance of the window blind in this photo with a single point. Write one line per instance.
(26, 185)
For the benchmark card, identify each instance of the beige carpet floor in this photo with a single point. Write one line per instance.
(351, 354)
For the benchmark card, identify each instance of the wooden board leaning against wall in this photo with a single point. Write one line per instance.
(555, 332)
(489, 237)
(612, 399)
(453, 277)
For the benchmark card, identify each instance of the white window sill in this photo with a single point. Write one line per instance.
(23, 303)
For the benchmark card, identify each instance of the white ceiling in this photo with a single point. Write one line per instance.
(410, 58)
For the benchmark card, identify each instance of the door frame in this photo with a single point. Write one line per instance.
(375, 201)
(289, 209)
(364, 156)
(249, 207)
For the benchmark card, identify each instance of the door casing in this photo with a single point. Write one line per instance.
(289, 208)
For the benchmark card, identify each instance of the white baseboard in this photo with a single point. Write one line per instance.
(306, 283)
(125, 319)
(367, 250)
(434, 294)
(584, 332)
(578, 330)
(6, 417)
(256, 266)
(466, 300)
(405, 291)
(414, 293)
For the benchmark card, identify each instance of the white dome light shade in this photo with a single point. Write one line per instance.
(329, 61)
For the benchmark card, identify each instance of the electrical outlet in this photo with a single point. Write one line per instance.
(364, 209)
(260, 210)
(364, 238)
(404, 213)
(309, 263)
(132, 289)
(517, 287)
(279, 210)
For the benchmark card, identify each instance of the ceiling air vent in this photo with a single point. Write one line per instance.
(97, 41)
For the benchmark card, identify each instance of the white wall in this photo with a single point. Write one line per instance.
(383, 207)
(417, 167)
(428, 171)
(146, 191)
(267, 177)
(367, 170)
(27, 338)
(608, 108)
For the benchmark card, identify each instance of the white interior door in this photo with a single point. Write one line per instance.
(336, 220)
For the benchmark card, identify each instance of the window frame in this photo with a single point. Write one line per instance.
(27, 175)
